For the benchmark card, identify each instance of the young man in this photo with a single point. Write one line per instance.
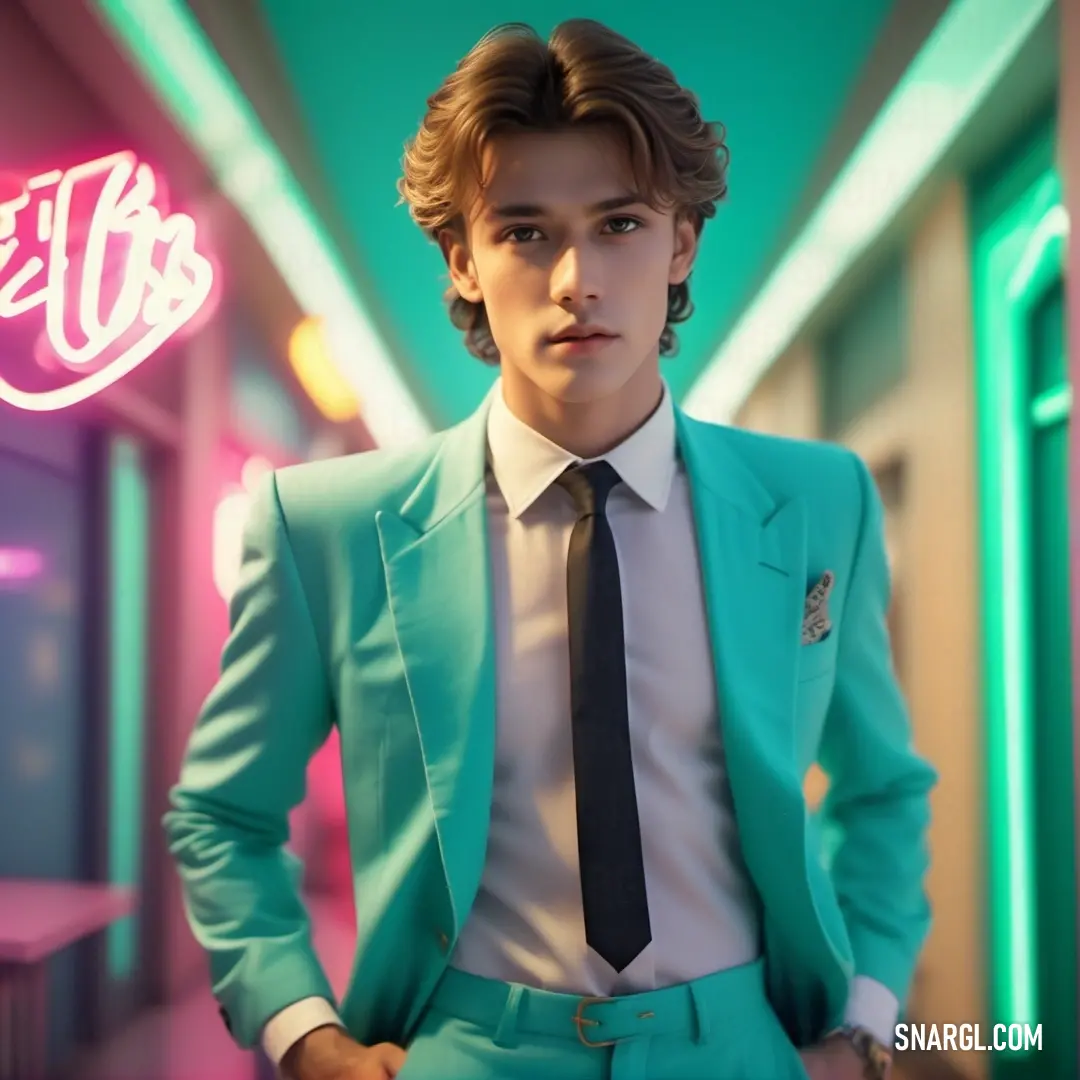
(580, 650)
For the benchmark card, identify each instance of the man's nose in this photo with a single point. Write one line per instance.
(576, 276)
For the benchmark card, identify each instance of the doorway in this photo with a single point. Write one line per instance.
(1024, 406)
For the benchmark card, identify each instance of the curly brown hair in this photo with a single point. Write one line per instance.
(585, 74)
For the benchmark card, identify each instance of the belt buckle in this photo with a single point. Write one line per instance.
(581, 1021)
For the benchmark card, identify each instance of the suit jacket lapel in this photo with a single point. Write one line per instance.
(753, 559)
(435, 554)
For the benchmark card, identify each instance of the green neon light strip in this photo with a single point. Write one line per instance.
(947, 82)
(1017, 257)
(167, 44)
(129, 530)
(1041, 261)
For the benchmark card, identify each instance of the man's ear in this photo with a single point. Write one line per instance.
(686, 247)
(459, 262)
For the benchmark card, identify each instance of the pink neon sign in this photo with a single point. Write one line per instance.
(116, 277)
(20, 564)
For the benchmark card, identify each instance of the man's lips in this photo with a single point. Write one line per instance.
(580, 337)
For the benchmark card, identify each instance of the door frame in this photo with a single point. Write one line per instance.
(1018, 230)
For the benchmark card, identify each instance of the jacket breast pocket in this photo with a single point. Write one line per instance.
(818, 659)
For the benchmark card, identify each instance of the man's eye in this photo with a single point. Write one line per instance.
(626, 225)
(514, 234)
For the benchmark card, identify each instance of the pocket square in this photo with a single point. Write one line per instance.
(816, 624)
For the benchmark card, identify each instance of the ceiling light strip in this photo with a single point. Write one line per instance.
(942, 89)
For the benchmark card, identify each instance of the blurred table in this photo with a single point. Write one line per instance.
(37, 920)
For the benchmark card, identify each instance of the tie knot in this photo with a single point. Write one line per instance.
(589, 485)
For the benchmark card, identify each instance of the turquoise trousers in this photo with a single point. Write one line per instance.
(720, 1027)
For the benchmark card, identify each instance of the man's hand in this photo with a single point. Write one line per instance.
(833, 1059)
(327, 1053)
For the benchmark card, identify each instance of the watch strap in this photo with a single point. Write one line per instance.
(874, 1055)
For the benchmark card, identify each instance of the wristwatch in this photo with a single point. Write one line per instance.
(875, 1057)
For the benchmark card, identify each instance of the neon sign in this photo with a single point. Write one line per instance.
(115, 276)
(20, 564)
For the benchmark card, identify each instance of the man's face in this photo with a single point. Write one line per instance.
(558, 238)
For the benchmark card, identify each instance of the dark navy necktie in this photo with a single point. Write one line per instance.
(609, 835)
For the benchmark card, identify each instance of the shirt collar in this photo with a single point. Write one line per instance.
(526, 463)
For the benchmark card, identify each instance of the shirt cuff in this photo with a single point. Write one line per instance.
(874, 1007)
(286, 1028)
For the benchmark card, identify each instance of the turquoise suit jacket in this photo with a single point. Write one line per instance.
(365, 601)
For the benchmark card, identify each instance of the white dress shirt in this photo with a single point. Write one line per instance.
(526, 924)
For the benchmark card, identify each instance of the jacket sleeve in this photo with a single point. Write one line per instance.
(876, 812)
(243, 772)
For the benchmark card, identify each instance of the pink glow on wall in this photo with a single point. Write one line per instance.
(114, 275)
(230, 517)
(20, 564)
